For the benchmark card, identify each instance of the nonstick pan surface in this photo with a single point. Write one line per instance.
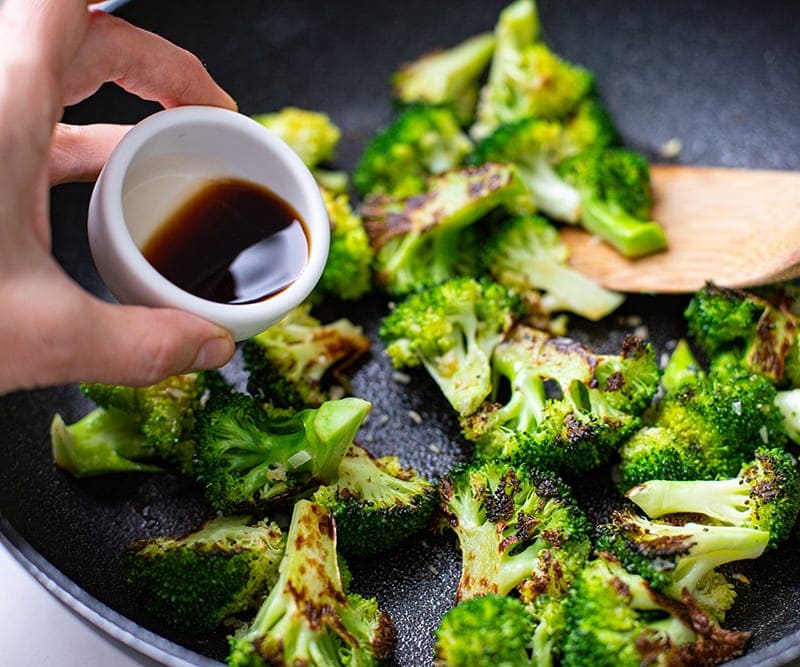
(721, 76)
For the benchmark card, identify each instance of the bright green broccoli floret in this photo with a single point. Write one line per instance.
(615, 619)
(759, 332)
(452, 329)
(526, 254)
(151, 424)
(218, 570)
(764, 495)
(446, 77)
(598, 403)
(419, 241)
(707, 430)
(420, 142)
(295, 362)
(311, 134)
(677, 558)
(616, 200)
(247, 457)
(514, 524)
(348, 272)
(309, 619)
(526, 78)
(489, 631)
(376, 502)
(589, 126)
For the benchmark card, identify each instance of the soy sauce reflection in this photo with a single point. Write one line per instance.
(233, 242)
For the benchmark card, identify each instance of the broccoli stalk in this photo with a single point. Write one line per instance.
(599, 403)
(513, 524)
(422, 141)
(247, 457)
(452, 330)
(218, 570)
(416, 241)
(682, 369)
(446, 77)
(678, 558)
(765, 495)
(311, 134)
(293, 362)
(376, 502)
(526, 254)
(615, 199)
(484, 632)
(310, 620)
(615, 619)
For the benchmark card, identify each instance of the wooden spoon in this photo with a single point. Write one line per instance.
(736, 227)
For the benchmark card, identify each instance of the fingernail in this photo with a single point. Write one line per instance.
(215, 352)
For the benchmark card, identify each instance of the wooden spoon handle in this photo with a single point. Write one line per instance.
(736, 227)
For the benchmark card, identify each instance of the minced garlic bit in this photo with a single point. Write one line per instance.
(298, 459)
(764, 434)
(401, 378)
(736, 406)
(671, 148)
(434, 449)
(642, 332)
(415, 416)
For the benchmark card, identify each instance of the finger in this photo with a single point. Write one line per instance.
(78, 152)
(142, 63)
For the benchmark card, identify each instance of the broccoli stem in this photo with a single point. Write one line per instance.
(551, 194)
(788, 402)
(725, 500)
(631, 236)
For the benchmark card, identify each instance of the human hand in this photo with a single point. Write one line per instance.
(54, 53)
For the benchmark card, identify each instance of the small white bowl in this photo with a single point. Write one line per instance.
(157, 166)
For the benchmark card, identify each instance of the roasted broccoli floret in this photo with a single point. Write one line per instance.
(419, 241)
(446, 77)
(296, 362)
(514, 524)
(764, 495)
(348, 272)
(489, 631)
(376, 502)
(247, 457)
(135, 428)
(526, 254)
(615, 619)
(308, 619)
(311, 134)
(196, 581)
(420, 142)
(526, 78)
(452, 329)
(707, 430)
(759, 332)
(597, 404)
(678, 558)
(615, 199)
(589, 126)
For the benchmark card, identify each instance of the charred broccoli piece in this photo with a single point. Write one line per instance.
(485, 631)
(196, 581)
(526, 255)
(311, 134)
(452, 329)
(419, 242)
(248, 457)
(758, 331)
(616, 619)
(707, 430)
(526, 78)
(765, 495)
(615, 199)
(135, 428)
(348, 272)
(310, 620)
(682, 558)
(295, 362)
(514, 524)
(376, 502)
(420, 142)
(448, 77)
(597, 404)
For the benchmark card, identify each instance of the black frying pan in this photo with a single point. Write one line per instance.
(722, 76)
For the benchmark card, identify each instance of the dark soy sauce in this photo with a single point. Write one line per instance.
(232, 242)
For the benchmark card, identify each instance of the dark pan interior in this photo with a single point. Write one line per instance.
(722, 76)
